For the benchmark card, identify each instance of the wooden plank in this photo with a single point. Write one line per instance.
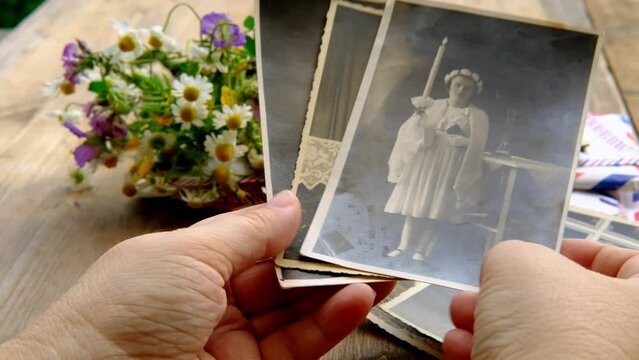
(606, 97)
(49, 236)
(619, 20)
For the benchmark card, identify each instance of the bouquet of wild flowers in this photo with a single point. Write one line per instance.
(190, 114)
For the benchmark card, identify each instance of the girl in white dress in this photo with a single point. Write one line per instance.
(436, 163)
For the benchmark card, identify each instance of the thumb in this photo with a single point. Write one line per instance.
(535, 303)
(231, 242)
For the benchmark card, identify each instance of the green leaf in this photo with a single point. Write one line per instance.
(99, 87)
(249, 22)
(167, 81)
(94, 141)
(190, 68)
(250, 46)
(118, 103)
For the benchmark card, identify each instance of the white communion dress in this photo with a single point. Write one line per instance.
(434, 174)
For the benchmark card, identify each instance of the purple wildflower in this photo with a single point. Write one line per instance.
(70, 60)
(70, 54)
(88, 108)
(77, 132)
(85, 153)
(120, 130)
(100, 123)
(223, 31)
(212, 21)
(228, 35)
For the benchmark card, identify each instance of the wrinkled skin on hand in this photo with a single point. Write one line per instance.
(537, 304)
(198, 293)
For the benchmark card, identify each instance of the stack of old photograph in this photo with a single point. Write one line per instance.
(418, 135)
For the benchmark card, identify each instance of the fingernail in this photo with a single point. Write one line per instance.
(284, 199)
(374, 292)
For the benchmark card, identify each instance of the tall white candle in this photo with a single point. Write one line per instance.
(435, 68)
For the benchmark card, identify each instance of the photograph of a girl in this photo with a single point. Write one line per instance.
(436, 163)
(464, 133)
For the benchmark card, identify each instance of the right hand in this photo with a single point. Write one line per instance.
(537, 304)
(422, 103)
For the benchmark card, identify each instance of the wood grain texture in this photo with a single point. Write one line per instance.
(619, 21)
(49, 236)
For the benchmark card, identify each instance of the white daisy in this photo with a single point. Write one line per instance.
(197, 198)
(129, 46)
(225, 172)
(125, 88)
(74, 116)
(210, 64)
(189, 113)
(56, 86)
(52, 87)
(224, 147)
(157, 141)
(88, 76)
(192, 88)
(157, 39)
(255, 159)
(234, 117)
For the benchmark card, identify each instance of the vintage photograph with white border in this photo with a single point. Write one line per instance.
(400, 329)
(348, 39)
(465, 128)
(288, 34)
(424, 307)
(294, 278)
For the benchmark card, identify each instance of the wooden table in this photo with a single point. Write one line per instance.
(619, 20)
(49, 236)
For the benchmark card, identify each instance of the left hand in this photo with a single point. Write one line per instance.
(198, 293)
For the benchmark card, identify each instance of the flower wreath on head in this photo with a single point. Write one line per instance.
(467, 73)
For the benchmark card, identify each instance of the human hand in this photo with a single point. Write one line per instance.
(198, 293)
(536, 304)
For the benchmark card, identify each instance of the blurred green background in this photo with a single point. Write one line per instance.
(13, 11)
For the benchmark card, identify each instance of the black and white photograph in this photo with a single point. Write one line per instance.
(293, 59)
(424, 307)
(294, 278)
(464, 133)
(400, 329)
(289, 33)
(346, 46)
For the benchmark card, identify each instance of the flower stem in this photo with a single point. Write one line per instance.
(168, 16)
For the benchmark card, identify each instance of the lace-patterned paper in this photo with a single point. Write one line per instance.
(348, 39)
(317, 161)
